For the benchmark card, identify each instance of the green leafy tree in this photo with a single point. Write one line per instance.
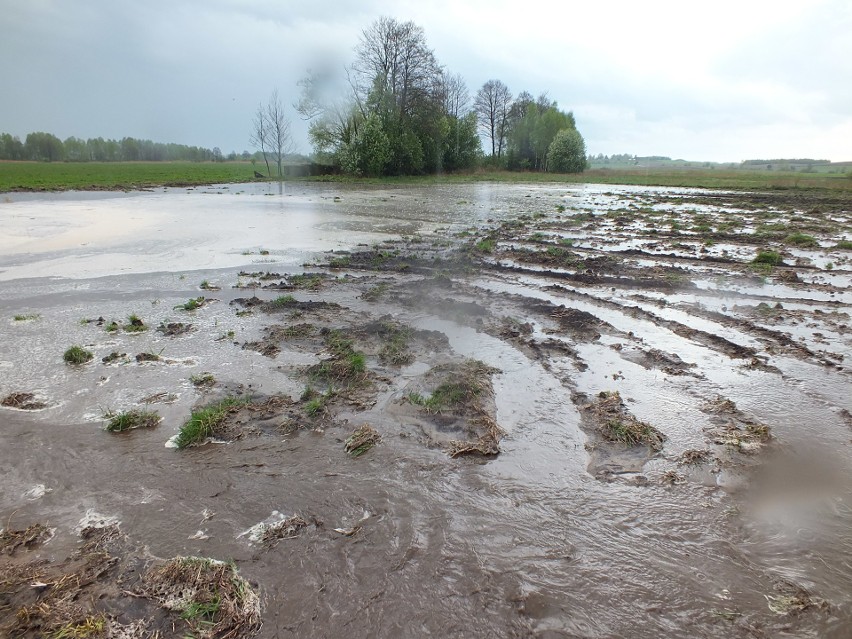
(44, 147)
(567, 152)
(11, 147)
(369, 150)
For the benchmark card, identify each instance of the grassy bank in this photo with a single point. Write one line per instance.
(700, 178)
(115, 176)
(61, 176)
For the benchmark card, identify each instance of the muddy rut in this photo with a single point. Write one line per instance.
(485, 410)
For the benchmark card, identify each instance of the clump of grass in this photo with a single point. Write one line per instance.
(566, 241)
(616, 424)
(303, 280)
(203, 422)
(134, 325)
(112, 327)
(77, 355)
(282, 301)
(202, 379)
(345, 364)
(120, 422)
(207, 286)
(844, 245)
(801, 239)
(339, 262)
(361, 440)
(24, 318)
(464, 387)
(298, 330)
(773, 258)
(395, 340)
(191, 304)
(315, 402)
(374, 293)
(485, 245)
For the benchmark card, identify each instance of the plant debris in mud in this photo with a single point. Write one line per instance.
(112, 357)
(487, 444)
(202, 380)
(22, 401)
(11, 540)
(173, 329)
(617, 424)
(793, 600)
(58, 607)
(209, 595)
(694, 456)
(204, 422)
(288, 528)
(147, 357)
(361, 440)
(77, 355)
(129, 420)
(464, 391)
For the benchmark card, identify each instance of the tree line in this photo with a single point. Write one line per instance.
(46, 147)
(399, 112)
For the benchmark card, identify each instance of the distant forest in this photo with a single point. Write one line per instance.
(46, 147)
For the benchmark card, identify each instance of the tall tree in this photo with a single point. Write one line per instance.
(278, 126)
(392, 59)
(399, 104)
(260, 134)
(492, 105)
(567, 152)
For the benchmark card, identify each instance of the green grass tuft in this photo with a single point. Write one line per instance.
(120, 422)
(282, 301)
(77, 355)
(801, 240)
(191, 304)
(203, 422)
(773, 258)
(24, 318)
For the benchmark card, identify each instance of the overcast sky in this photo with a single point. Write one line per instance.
(725, 81)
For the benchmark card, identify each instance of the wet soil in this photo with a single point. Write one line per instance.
(490, 410)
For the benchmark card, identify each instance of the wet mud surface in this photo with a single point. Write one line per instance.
(480, 411)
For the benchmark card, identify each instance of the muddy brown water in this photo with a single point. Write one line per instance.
(561, 534)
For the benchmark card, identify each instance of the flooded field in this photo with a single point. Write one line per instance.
(467, 411)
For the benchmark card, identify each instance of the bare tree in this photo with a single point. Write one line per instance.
(455, 93)
(260, 134)
(492, 105)
(393, 59)
(271, 132)
(280, 140)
